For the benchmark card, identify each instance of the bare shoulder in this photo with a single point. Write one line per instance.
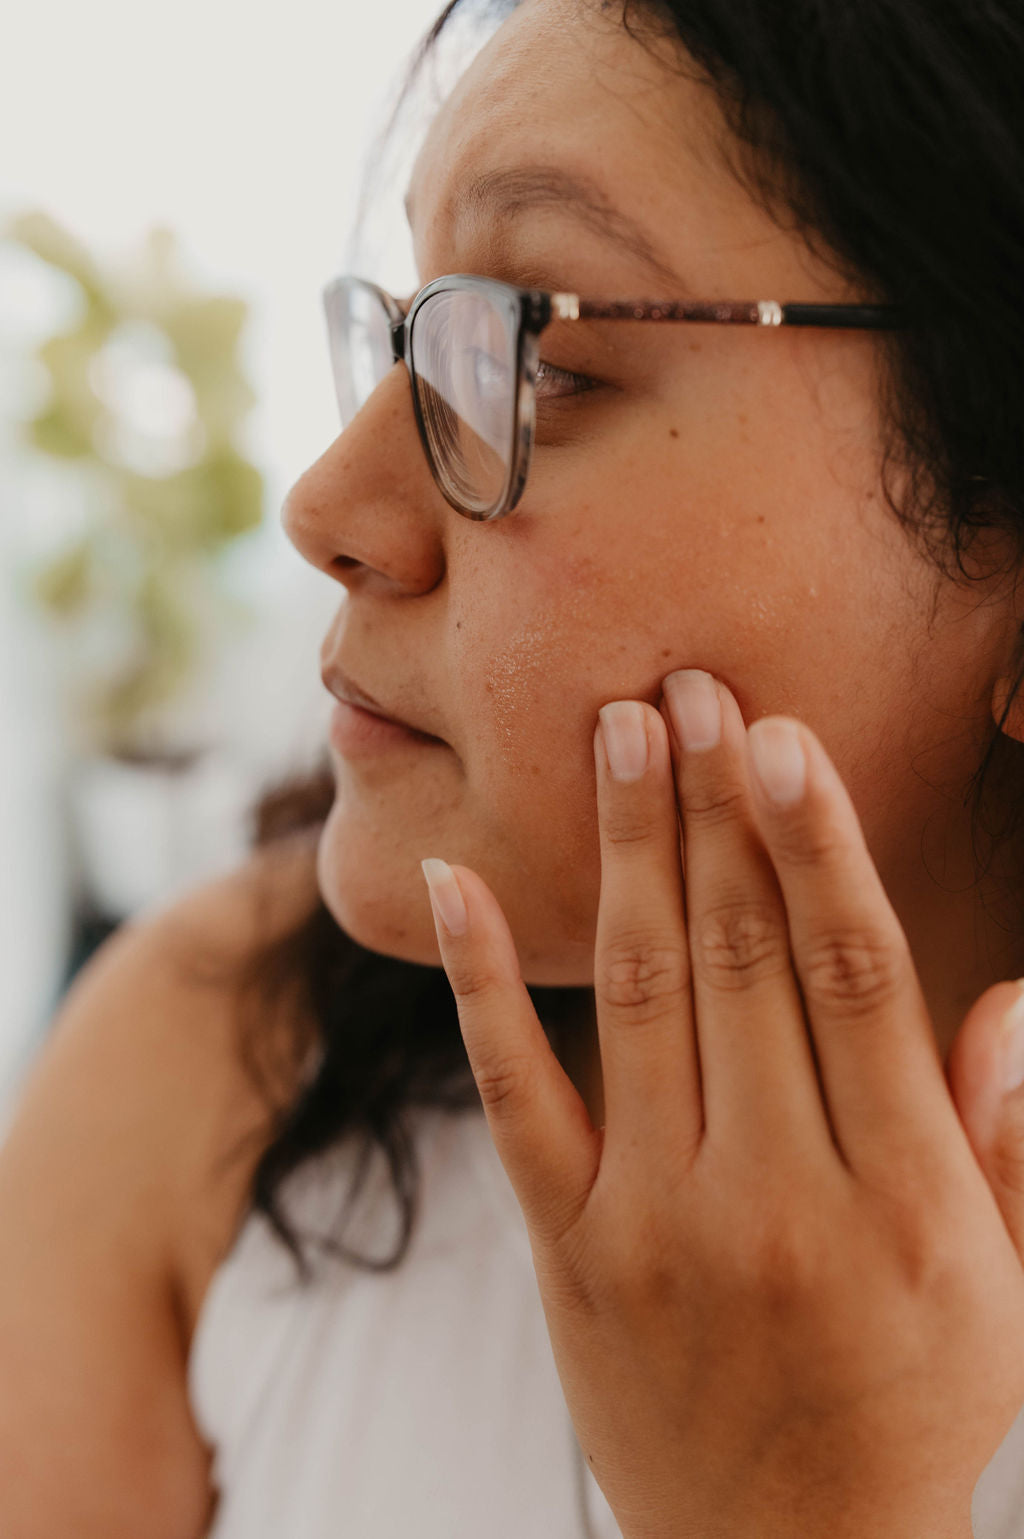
(238, 1037)
(220, 1050)
(123, 1175)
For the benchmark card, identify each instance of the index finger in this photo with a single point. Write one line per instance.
(536, 1117)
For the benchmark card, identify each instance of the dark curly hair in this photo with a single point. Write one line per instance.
(891, 132)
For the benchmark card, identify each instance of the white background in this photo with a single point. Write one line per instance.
(243, 127)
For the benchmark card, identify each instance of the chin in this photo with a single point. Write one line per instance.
(378, 896)
(390, 916)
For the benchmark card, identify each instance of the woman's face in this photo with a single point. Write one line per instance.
(712, 500)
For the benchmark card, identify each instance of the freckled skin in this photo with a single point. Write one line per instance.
(720, 512)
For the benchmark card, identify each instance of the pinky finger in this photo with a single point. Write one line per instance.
(538, 1122)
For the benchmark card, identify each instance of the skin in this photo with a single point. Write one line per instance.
(780, 1297)
(714, 503)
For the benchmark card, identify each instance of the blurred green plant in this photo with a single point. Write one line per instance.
(146, 393)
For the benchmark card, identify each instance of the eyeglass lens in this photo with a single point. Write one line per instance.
(463, 352)
(360, 345)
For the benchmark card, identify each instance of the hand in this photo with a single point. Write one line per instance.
(781, 1297)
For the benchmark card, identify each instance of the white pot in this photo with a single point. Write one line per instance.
(147, 831)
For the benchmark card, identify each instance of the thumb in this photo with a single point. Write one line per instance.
(985, 1072)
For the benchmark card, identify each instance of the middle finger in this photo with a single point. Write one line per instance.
(760, 1080)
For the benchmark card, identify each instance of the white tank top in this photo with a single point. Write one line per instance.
(421, 1403)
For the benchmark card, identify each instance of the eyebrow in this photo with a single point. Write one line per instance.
(508, 190)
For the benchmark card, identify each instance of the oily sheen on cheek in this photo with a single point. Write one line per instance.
(523, 651)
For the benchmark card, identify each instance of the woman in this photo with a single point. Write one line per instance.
(725, 1208)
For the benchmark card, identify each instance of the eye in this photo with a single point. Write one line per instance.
(490, 374)
(556, 384)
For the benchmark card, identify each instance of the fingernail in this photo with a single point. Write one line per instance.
(695, 707)
(778, 759)
(625, 738)
(1013, 1043)
(446, 899)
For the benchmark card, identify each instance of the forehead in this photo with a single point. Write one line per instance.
(563, 84)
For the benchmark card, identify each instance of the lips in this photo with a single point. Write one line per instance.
(342, 687)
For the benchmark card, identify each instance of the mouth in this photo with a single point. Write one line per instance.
(359, 719)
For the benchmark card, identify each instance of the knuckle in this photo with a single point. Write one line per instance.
(627, 822)
(855, 970)
(922, 1242)
(713, 804)
(738, 942)
(504, 1083)
(784, 1262)
(810, 843)
(474, 984)
(924, 1262)
(639, 973)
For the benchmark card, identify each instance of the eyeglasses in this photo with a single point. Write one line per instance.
(471, 348)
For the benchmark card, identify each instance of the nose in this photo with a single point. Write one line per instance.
(368, 512)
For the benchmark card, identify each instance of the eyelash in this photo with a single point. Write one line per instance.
(580, 383)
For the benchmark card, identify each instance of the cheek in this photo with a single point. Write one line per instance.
(537, 655)
(528, 702)
(706, 581)
(533, 679)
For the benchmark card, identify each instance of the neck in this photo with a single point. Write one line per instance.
(964, 932)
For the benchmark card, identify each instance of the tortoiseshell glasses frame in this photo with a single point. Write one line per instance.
(478, 435)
